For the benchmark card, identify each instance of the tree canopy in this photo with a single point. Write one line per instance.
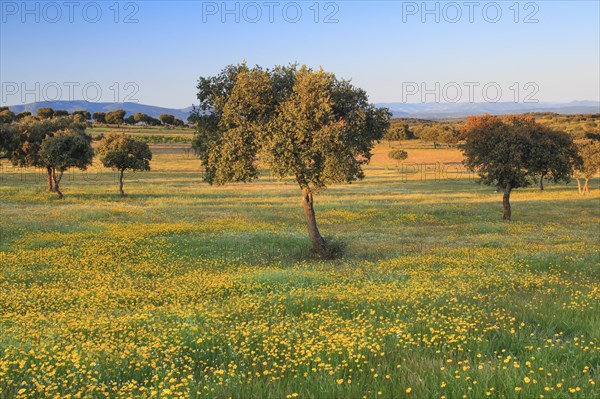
(167, 119)
(553, 154)
(45, 113)
(99, 117)
(68, 148)
(6, 115)
(29, 134)
(123, 153)
(115, 117)
(589, 151)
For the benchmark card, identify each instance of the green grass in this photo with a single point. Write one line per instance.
(186, 290)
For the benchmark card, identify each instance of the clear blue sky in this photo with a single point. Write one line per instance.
(175, 42)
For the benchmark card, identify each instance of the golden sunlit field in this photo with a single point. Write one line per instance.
(182, 290)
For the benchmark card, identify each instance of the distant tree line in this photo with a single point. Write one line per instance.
(116, 117)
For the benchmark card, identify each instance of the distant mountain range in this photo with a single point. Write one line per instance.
(461, 110)
(410, 110)
(130, 108)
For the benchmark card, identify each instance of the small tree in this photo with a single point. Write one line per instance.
(6, 115)
(85, 114)
(71, 148)
(429, 133)
(167, 119)
(45, 113)
(99, 117)
(22, 115)
(153, 121)
(553, 154)
(123, 153)
(447, 135)
(589, 151)
(31, 133)
(398, 155)
(80, 118)
(398, 132)
(130, 120)
(115, 117)
(140, 117)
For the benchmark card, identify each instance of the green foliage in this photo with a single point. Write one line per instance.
(167, 119)
(438, 133)
(552, 154)
(130, 120)
(398, 132)
(22, 115)
(9, 136)
(300, 122)
(589, 151)
(6, 115)
(122, 152)
(592, 136)
(153, 121)
(32, 132)
(99, 117)
(398, 155)
(511, 150)
(68, 148)
(577, 125)
(162, 139)
(115, 117)
(497, 151)
(85, 114)
(227, 139)
(45, 113)
(60, 112)
(140, 117)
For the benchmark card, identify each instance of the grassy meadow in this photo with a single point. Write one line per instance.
(182, 290)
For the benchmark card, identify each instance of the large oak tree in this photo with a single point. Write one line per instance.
(299, 122)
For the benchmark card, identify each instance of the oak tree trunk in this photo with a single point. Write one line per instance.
(311, 222)
(586, 187)
(506, 202)
(121, 183)
(542, 181)
(57, 183)
(579, 188)
(50, 184)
